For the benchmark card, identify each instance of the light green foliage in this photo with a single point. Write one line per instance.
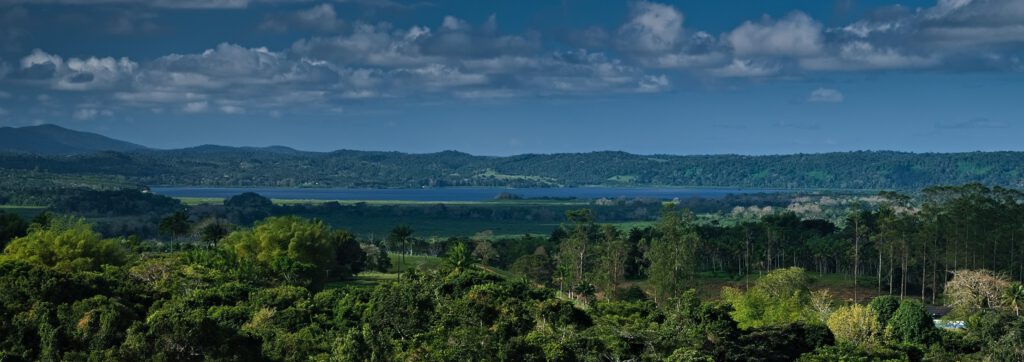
(778, 298)
(298, 250)
(459, 257)
(66, 243)
(855, 324)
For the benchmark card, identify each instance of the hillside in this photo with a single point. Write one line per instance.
(56, 140)
(227, 166)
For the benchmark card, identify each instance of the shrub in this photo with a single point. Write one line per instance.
(911, 323)
(884, 307)
(855, 324)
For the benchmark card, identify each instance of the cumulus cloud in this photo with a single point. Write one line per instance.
(652, 27)
(795, 35)
(825, 95)
(74, 73)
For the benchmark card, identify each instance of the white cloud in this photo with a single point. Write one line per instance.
(653, 84)
(825, 95)
(744, 68)
(454, 24)
(76, 74)
(795, 35)
(321, 18)
(195, 107)
(182, 4)
(861, 55)
(89, 112)
(374, 45)
(652, 27)
(231, 109)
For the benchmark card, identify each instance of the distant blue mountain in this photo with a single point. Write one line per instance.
(56, 140)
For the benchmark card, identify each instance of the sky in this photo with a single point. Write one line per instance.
(509, 77)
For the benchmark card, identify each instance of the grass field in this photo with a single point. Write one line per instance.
(25, 212)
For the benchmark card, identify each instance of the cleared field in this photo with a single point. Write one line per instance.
(25, 212)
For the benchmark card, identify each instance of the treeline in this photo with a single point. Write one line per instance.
(276, 292)
(908, 246)
(226, 166)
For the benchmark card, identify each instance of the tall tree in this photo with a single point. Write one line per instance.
(575, 251)
(672, 253)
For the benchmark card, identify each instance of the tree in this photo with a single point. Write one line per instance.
(67, 243)
(295, 247)
(1014, 297)
(212, 230)
(884, 307)
(911, 323)
(484, 252)
(672, 253)
(398, 240)
(534, 267)
(974, 290)
(459, 257)
(175, 225)
(11, 226)
(246, 208)
(575, 251)
(777, 298)
(855, 324)
(613, 252)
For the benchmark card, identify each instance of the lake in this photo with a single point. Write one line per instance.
(455, 193)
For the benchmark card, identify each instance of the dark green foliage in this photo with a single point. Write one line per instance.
(246, 208)
(11, 226)
(226, 166)
(176, 225)
(884, 306)
(534, 267)
(785, 343)
(853, 353)
(911, 323)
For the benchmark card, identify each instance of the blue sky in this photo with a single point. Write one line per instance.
(509, 77)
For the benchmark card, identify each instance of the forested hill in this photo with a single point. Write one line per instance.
(281, 166)
(56, 140)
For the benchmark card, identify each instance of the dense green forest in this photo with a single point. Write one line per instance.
(226, 166)
(246, 281)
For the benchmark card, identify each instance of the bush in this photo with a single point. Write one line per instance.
(911, 323)
(68, 244)
(855, 324)
(884, 307)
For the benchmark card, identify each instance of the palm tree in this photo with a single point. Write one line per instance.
(1014, 297)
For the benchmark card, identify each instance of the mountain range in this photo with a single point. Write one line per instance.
(55, 150)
